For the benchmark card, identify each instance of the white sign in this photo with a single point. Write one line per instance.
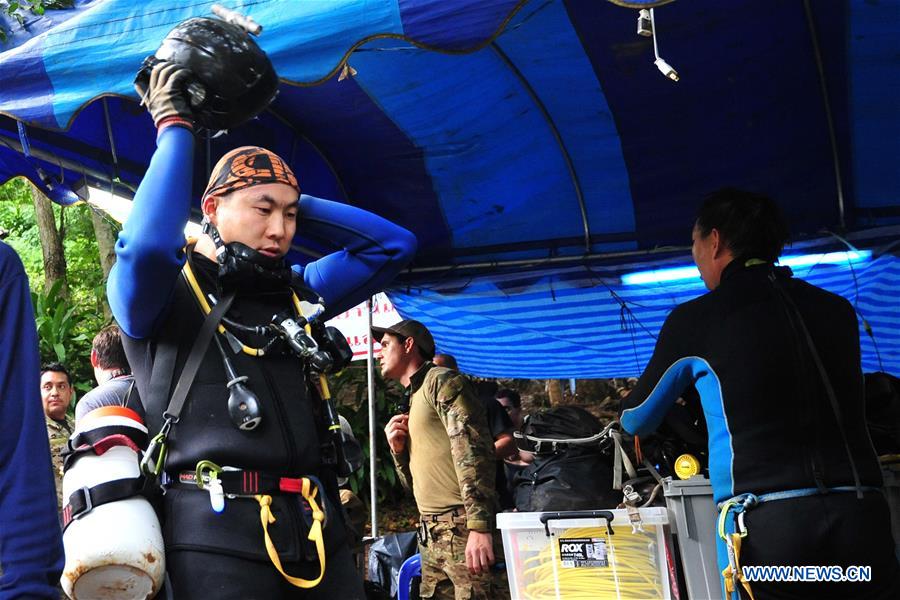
(354, 324)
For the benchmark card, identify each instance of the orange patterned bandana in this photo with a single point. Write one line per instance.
(248, 166)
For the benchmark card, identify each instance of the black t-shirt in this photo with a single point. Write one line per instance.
(499, 422)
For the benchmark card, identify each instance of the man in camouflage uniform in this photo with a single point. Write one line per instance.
(56, 395)
(444, 453)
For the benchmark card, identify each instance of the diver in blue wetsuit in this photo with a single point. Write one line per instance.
(252, 207)
(793, 470)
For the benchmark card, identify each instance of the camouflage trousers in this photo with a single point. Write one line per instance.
(444, 572)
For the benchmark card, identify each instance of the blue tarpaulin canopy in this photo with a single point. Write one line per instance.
(532, 146)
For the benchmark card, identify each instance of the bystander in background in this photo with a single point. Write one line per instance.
(115, 383)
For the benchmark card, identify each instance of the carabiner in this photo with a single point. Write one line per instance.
(151, 466)
(211, 469)
(213, 484)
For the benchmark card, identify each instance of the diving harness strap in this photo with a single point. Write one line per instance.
(155, 456)
(737, 508)
(222, 482)
(308, 491)
(308, 486)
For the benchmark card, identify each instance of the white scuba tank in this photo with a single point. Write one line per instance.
(116, 549)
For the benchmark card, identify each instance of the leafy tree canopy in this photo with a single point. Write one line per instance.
(65, 326)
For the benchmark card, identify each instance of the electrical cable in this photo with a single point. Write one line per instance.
(632, 573)
(866, 326)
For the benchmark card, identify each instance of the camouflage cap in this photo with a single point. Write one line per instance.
(409, 328)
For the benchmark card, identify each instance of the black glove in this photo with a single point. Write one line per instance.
(165, 97)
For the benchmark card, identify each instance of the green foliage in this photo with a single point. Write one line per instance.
(18, 9)
(350, 389)
(59, 335)
(65, 326)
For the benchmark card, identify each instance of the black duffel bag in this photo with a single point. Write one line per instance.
(566, 476)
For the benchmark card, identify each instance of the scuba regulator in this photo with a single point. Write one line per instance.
(322, 349)
(325, 350)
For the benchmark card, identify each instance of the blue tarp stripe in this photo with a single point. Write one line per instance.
(381, 169)
(31, 100)
(692, 157)
(115, 34)
(593, 344)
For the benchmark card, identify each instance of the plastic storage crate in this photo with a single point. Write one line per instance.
(572, 555)
(693, 514)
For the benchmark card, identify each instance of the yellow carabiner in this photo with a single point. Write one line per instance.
(212, 471)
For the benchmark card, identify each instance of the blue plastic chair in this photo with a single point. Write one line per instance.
(412, 567)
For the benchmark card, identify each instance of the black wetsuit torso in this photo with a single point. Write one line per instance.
(771, 427)
(286, 443)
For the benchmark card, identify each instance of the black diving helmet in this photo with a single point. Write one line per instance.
(233, 79)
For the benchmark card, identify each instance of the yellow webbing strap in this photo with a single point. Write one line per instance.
(733, 571)
(734, 550)
(315, 534)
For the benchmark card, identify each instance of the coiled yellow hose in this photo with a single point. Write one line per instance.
(632, 572)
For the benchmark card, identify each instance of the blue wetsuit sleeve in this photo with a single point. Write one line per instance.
(149, 252)
(31, 553)
(667, 375)
(372, 252)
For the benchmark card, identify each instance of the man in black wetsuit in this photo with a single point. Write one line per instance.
(265, 537)
(798, 464)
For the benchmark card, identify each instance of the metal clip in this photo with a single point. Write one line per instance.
(206, 476)
(742, 528)
(88, 503)
(632, 498)
(732, 564)
(422, 533)
(155, 454)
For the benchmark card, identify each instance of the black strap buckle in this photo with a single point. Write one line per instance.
(88, 503)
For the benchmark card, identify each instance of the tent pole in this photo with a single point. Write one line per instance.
(829, 116)
(71, 165)
(373, 476)
(564, 152)
(112, 141)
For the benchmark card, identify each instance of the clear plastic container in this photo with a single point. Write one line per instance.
(572, 555)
